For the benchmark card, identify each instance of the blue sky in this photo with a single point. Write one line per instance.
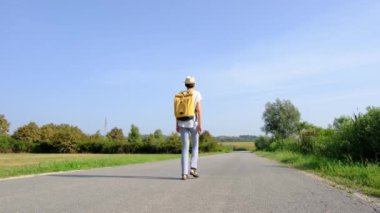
(78, 62)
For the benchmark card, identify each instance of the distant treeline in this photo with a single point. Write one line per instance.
(65, 138)
(241, 138)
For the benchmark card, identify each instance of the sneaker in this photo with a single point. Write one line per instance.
(193, 172)
(184, 177)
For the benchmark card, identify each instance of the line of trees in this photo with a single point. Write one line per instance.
(355, 138)
(65, 138)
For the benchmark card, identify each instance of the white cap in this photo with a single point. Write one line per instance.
(190, 80)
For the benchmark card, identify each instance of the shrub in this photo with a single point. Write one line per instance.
(362, 135)
(315, 139)
(308, 139)
(207, 143)
(263, 142)
(290, 144)
(171, 145)
(43, 147)
(129, 147)
(91, 146)
(20, 146)
(6, 144)
(112, 147)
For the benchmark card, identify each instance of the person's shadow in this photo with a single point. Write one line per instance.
(115, 176)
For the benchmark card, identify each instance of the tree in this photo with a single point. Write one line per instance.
(207, 143)
(96, 137)
(30, 133)
(172, 144)
(281, 118)
(304, 125)
(158, 136)
(62, 137)
(134, 135)
(341, 122)
(4, 125)
(206, 137)
(116, 134)
(154, 139)
(47, 132)
(66, 138)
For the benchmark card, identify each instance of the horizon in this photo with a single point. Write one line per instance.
(81, 62)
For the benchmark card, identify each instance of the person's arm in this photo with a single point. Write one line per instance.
(176, 126)
(199, 115)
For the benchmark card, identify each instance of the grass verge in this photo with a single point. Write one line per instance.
(359, 176)
(27, 164)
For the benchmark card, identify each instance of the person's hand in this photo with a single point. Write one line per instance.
(177, 128)
(199, 129)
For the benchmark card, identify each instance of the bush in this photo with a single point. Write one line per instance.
(208, 147)
(207, 143)
(263, 142)
(43, 147)
(8, 144)
(315, 140)
(308, 140)
(5, 145)
(362, 135)
(290, 144)
(20, 146)
(91, 146)
(112, 147)
(130, 147)
(356, 138)
(172, 144)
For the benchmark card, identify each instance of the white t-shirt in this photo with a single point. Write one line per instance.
(193, 122)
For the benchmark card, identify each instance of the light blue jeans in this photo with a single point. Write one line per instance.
(185, 134)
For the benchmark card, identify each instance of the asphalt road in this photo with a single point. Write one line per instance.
(234, 182)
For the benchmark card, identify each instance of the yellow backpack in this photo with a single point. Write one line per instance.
(184, 106)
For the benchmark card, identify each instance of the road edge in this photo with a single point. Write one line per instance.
(373, 201)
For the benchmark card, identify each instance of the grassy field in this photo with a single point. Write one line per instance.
(26, 164)
(362, 177)
(240, 146)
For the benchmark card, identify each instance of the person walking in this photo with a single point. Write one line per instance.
(189, 123)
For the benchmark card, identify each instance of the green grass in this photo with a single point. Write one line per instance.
(359, 176)
(26, 164)
(240, 146)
